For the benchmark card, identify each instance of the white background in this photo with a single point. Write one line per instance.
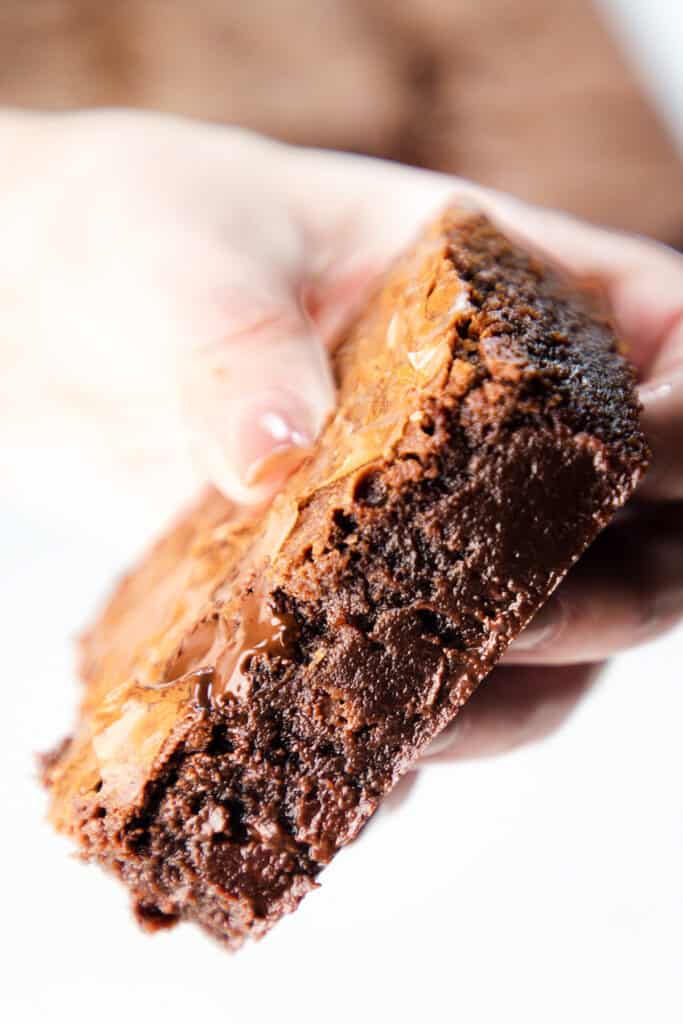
(543, 885)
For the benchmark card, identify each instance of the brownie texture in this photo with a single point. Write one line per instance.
(259, 683)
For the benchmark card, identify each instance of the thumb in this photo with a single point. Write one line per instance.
(257, 397)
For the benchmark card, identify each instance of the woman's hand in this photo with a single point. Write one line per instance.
(165, 282)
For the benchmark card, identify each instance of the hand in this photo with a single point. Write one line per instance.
(166, 280)
(167, 283)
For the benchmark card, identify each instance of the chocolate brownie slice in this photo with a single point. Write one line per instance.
(258, 684)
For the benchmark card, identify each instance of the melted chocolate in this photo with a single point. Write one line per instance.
(261, 631)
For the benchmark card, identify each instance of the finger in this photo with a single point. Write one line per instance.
(378, 207)
(257, 397)
(662, 399)
(625, 591)
(513, 707)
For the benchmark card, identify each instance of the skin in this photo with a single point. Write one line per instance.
(169, 284)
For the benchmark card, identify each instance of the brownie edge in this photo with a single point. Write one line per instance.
(257, 684)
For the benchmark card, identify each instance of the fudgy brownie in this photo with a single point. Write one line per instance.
(258, 684)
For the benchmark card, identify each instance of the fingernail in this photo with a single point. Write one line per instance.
(655, 392)
(444, 741)
(544, 627)
(273, 432)
(274, 447)
(252, 445)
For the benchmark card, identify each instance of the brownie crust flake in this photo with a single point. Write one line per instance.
(258, 684)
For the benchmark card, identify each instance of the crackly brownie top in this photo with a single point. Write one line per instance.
(465, 319)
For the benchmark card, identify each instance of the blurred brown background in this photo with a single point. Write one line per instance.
(526, 95)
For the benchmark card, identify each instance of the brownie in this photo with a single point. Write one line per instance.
(260, 682)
